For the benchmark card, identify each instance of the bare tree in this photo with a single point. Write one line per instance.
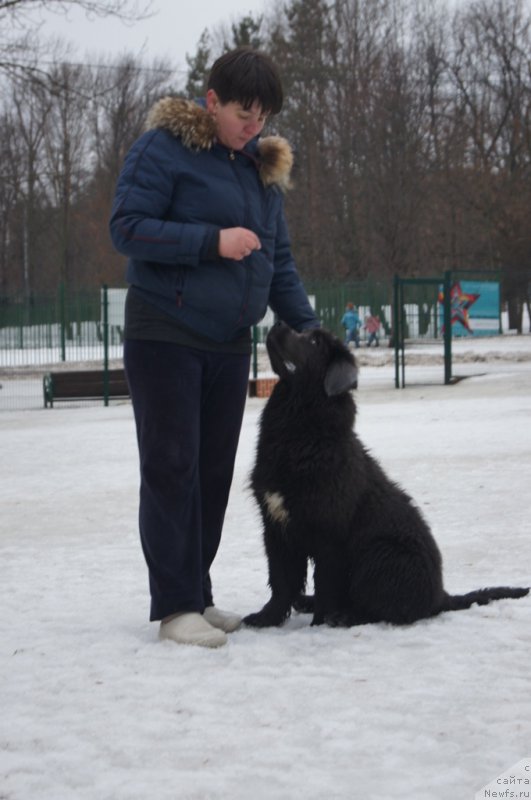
(10, 184)
(123, 94)
(300, 43)
(22, 11)
(67, 167)
(491, 71)
(30, 107)
(20, 21)
(360, 32)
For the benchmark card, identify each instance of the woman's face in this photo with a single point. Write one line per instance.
(235, 125)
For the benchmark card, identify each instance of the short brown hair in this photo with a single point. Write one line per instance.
(246, 76)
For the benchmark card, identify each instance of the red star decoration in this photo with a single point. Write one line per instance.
(460, 303)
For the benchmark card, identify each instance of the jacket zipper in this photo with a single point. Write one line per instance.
(232, 157)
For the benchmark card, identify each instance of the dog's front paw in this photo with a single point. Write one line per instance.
(266, 618)
(258, 620)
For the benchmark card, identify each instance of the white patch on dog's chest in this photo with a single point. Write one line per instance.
(275, 507)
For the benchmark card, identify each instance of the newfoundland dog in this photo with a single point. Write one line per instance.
(323, 497)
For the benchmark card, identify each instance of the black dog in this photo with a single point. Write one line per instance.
(323, 497)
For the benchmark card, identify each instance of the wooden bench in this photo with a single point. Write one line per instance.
(261, 387)
(83, 385)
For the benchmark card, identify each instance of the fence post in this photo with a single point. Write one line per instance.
(105, 309)
(255, 351)
(21, 332)
(500, 326)
(398, 331)
(394, 329)
(447, 313)
(62, 319)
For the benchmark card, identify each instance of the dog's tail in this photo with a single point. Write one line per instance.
(457, 602)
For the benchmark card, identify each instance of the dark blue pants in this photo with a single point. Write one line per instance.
(353, 336)
(188, 407)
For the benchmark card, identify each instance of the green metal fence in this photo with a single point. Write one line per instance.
(51, 330)
(368, 296)
(84, 330)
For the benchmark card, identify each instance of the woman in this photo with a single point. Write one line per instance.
(199, 212)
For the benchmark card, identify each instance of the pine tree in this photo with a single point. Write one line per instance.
(198, 67)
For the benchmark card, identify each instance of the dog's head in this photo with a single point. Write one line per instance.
(314, 355)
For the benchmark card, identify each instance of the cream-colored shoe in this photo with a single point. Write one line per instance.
(224, 620)
(192, 628)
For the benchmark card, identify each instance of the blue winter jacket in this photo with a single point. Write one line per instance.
(350, 320)
(177, 189)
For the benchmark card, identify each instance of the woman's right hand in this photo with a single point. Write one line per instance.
(237, 243)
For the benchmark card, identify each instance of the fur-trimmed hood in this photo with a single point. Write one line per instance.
(196, 128)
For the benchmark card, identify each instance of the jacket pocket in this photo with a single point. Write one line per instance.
(258, 277)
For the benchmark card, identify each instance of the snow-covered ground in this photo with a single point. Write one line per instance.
(94, 707)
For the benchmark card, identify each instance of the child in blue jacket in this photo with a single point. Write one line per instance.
(352, 324)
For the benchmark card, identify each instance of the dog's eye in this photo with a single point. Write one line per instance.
(314, 339)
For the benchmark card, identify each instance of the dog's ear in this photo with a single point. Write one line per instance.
(341, 376)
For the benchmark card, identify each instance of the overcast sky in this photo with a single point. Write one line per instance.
(172, 31)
